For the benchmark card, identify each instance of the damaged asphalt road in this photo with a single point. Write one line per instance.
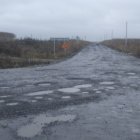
(93, 95)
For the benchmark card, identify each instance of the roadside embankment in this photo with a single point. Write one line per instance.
(133, 46)
(28, 51)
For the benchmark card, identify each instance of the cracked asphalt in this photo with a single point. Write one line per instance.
(93, 95)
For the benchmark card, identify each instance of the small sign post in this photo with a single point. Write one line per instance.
(65, 46)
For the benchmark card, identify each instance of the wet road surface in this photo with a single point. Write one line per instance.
(94, 95)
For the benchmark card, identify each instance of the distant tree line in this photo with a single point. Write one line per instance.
(4, 36)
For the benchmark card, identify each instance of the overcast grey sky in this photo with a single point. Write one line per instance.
(67, 18)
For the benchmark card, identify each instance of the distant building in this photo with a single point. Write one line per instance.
(59, 39)
(4, 36)
(77, 38)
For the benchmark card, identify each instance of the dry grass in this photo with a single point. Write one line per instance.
(25, 52)
(133, 46)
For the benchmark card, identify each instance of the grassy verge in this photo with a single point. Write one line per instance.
(27, 52)
(133, 46)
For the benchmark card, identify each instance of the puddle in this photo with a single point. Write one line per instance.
(106, 83)
(134, 77)
(84, 86)
(74, 89)
(110, 88)
(4, 87)
(6, 96)
(35, 128)
(85, 92)
(50, 99)
(29, 85)
(33, 101)
(69, 109)
(39, 93)
(44, 84)
(136, 130)
(12, 104)
(98, 91)
(2, 101)
(95, 89)
(69, 90)
(39, 97)
(65, 97)
(134, 85)
(129, 111)
(131, 73)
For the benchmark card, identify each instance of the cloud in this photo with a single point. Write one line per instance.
(91, 18)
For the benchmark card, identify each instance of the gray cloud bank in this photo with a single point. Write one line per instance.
(66, 18)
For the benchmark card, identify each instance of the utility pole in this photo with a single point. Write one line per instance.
(104, 37)
(112, 34)
(54, 47)
(85, 38)
(126, 41)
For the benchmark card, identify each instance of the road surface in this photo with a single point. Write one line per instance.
(92, 96)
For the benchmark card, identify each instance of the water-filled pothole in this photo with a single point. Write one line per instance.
(35, 128)
(40, 93)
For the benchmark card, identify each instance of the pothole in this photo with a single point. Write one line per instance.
(131, 73)
(84, 86)
(85, 92)
(5, 96)
(35, 128)
(44, 84)
(65, 97)
(33, 101)
(69, 90)
(110, 88)
(38, 97)
(4, 87)
(39, 93)
(12, 104)
(107, 83)
(2, 101)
